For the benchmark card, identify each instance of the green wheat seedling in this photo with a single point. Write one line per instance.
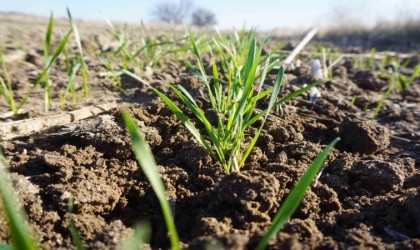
(47, 49)
(234, 107)
(66, 56)
(111, 74)
(127, 58)
(332, 59)
(83, 68)
(77, 241)
(234, 46)
(147, 163)
(150, 48)
(19, 232)
(71, 88)
(45, 72)
(385, 60)
(363, 62)
(234, 49)
(397, 82)
(122, 51)
(151, 51)
(234, 102)
(6, 90)
(372, 59)
(292, 201)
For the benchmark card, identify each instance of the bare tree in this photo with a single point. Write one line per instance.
(203, 17)
(172, 13)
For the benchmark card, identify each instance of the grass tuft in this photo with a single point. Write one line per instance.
(233, 94)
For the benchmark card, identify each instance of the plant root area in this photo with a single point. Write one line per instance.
(367, 196)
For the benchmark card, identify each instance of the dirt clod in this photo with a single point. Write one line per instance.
(363, 136)
(376, 177)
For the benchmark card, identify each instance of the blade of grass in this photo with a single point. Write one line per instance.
(202, 73)
(177, 111)
(82, 56)
(295, 197)
(44, 73)
(249, 69)
(147, 162)
(16, 217)
(185, 97)
(47, 50)
(70, 85)
(77, 241)
(275, 92)
(297, 93)
(6, 89)
(381, 102)
(48, 36)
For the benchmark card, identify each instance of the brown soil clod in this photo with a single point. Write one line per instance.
(254, 190)
(370, 80)
(376, 177)
(363, 136)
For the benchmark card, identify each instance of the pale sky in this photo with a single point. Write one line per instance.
(263, 14)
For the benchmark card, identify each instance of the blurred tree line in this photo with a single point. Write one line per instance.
(176, 13)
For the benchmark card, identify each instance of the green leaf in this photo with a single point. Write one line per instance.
(20, 233)
(295, 197)
(47, 41)
(80, 48)
(297, 93)
(147, 162)
(187, 94)
(76, 33)
(200, 115)
(77, 241)
(177, 111)
(250, 68)
(275, 92)
(57, 52)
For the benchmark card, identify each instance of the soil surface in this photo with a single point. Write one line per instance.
(368, 195)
